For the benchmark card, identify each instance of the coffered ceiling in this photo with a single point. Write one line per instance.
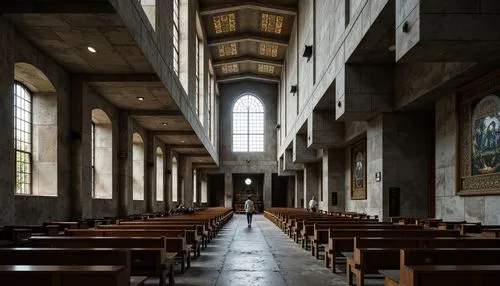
(248, 40)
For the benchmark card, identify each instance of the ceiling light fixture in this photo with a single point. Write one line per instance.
(91, 49)
(182, 141)
(165, 123)
(140, 98)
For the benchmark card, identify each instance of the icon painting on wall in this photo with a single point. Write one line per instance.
(479, 137)
(486, 136)
(358, 173)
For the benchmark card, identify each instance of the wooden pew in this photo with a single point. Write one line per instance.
(69, 256)
(373, 254)
(49, 275)
(149, 256)
(340, 241)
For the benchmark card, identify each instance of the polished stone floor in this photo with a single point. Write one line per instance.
(261, 255)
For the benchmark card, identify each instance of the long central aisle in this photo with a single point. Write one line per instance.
(261, 255)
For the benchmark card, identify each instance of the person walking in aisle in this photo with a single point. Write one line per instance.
(249, 209)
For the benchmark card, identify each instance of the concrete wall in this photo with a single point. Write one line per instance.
(450, 207)
(255, 163)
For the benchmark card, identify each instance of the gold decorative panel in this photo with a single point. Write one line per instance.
(268, 50)
(271, 23)
(225, 23)
(231, 68)
(226, 50)
(266, 68)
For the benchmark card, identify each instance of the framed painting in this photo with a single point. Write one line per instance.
(358, 171)
(479, 137)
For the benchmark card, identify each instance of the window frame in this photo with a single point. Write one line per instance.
(30, 153)
(175, 178)
(197, 75)
(175, 35)
(248, 121)
(92, 159)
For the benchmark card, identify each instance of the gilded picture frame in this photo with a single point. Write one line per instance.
(358, 171)
(478, 139)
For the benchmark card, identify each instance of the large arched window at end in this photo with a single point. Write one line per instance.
(159, 174)
(102, 155)
(175, 190)
(248, 124)
(138, 168)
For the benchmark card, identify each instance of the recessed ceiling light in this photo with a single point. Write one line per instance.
(140, 98)
(182, 141)
(165, 123)
(91, 49)
(392, 48)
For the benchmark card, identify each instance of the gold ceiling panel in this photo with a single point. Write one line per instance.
(225, 23)
(266, 69)
(268, 50)
(230, 68)
(226, 50)
(271, 23)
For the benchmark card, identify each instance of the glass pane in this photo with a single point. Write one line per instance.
(240, 143)
(256, 143)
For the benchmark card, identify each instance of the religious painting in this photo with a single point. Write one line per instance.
(479, 138)
(358, 171)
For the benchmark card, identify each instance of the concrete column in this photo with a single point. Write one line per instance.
(333, 179)
(310, 182)
(268, 195)
(228, 190)
(150, 175)
(188, 183)
(7, 154)
(124, 164)
(299, 189)
(291, 192)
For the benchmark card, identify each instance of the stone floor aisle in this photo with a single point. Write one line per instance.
(261, 255)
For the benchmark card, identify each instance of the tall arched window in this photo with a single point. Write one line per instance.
(23, 138)
(159, 174)
(174, 180)
(248, 125)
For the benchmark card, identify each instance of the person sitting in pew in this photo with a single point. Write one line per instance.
(313, 204)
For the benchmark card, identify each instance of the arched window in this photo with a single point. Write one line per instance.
(138, 167)
(248, 125)
(159, 174)
(194, 186)
(174, 180)
(101, 161)
(23, 138)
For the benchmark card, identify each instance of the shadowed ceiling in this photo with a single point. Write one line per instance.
(248, 40)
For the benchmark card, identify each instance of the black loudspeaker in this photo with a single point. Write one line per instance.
(334, 199)
(394, 201)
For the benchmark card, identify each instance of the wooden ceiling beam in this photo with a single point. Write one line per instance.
(175, 133)
(275, 9)
(187, 146)
(248, 76)
(246, 37)
(119, 77)
(247, 59)
(140, 112)
(56, 7)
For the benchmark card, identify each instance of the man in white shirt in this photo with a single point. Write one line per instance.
(249, 209)
(313, 204)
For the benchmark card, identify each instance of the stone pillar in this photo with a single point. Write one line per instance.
(299, 189)
(267, 194)
(291, 192)
(150, 175)
(333, 179)
(310, 183)
(7, 154)
(124, 164)
(228, 190)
